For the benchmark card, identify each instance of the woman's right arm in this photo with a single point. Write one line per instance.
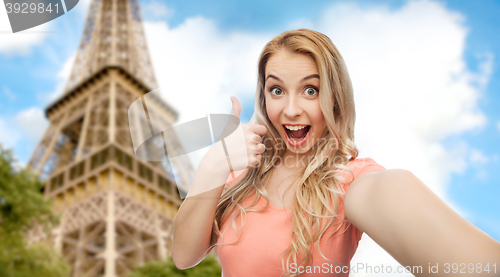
(193, 222)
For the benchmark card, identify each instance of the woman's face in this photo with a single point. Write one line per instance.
(291, 94)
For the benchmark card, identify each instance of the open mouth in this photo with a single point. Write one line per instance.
(297, 137)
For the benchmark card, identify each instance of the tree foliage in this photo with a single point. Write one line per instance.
(22, 205)
(209, 267)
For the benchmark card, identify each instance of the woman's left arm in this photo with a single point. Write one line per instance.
(399, 212)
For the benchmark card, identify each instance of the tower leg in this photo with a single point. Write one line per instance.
(110, 252)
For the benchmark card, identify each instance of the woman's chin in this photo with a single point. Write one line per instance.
(302, 149)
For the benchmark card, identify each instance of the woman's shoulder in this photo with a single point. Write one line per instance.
(360, 166)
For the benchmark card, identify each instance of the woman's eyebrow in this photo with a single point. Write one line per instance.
(303, 79)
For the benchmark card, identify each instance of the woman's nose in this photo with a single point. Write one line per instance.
(292, 108)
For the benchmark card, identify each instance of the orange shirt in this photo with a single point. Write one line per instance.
(265, 235)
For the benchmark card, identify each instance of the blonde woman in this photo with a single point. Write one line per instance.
(302, 198)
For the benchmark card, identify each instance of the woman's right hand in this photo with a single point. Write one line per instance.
(244, 145)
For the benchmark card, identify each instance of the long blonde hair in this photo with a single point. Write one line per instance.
(319, 185)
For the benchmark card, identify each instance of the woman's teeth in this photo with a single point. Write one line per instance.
(295, 128)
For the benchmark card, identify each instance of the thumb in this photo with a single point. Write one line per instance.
(236, 109)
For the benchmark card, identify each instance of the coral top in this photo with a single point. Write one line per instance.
(265, 235)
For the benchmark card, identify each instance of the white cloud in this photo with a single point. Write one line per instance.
(19, 43)
(412, 86)
(498, 126)
(32, 123)
(154, 9)
(477, 157)
(6, 91)
(66, 68)
(486, 67)
(27, 124)
(478, 160)
(481, 175)
(83, 7)
(62, 77)
(8, 135)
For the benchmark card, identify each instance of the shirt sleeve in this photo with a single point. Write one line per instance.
(357, 233)
(238, 175)
(366, 165)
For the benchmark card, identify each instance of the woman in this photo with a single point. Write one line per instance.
(301, 184)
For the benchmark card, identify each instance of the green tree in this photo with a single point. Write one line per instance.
(209, 267)
(21, 206)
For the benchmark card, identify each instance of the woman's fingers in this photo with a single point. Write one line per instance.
(257, 139)
(258, 129)
(261, 148)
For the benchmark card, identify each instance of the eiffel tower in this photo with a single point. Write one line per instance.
(117, 210)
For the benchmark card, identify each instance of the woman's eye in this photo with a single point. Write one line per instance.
(276, 91)
(311, 91)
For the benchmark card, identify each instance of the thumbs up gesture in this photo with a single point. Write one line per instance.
(234, 151)
(244, 146)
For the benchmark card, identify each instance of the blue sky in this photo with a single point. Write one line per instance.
(447, 134)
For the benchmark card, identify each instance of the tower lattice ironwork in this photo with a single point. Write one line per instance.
(117, 210)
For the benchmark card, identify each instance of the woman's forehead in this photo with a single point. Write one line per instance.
(290, 65)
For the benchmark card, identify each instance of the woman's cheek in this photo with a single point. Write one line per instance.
(271, 112)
